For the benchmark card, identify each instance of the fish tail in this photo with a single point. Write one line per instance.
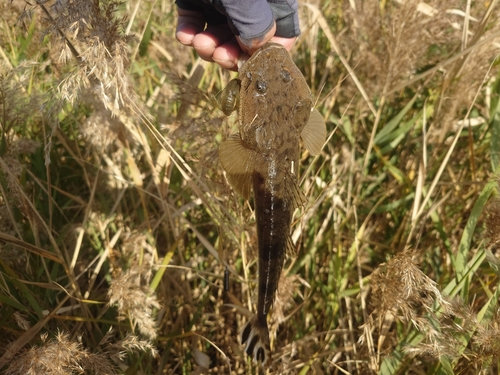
(255, 337)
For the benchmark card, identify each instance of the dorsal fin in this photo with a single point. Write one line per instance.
(291, 251)
(239, 163)
(293, 192)
(314, 133)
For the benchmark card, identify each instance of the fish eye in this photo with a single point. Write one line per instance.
(285, 75)
(261, 86)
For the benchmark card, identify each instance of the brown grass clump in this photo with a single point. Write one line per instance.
(401, 288)
(103, 51)
(59, 356)
(485, 348)
(134, 299)
(391, 44)
(94, 58)
(396, 40)
(403, 292)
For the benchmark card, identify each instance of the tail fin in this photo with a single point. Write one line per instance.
(255, 337)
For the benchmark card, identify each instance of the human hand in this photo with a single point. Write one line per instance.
(247, 27)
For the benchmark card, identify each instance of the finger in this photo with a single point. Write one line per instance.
(285, 42)
(227, 55)
(207, 41)
(189, 24)
(255, 44)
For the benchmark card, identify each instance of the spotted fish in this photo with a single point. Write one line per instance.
(275, 112)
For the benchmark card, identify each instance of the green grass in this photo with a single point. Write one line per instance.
(117, 223)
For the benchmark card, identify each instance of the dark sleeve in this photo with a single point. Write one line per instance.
(254, 18)
(250, 19)
(212, 15)
(286, 14)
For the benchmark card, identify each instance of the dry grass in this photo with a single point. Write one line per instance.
(117, 224)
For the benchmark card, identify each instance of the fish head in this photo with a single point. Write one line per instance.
(271, 82)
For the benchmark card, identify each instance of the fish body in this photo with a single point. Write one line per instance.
(275, 112)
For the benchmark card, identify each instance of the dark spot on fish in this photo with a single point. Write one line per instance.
(252, 344)
(261, 86)
(285, 75)
(261, 355)
(246, 333)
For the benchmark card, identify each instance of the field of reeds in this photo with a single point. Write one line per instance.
(117, 225)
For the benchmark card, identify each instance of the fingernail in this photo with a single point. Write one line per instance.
(228, 64)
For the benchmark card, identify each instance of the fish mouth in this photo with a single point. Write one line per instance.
(266, 47)
(244, 57)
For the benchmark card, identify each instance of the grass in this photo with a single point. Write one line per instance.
(117, 225)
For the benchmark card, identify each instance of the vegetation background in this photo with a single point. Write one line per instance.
(117, 225)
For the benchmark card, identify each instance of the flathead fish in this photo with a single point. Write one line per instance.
(275, 111)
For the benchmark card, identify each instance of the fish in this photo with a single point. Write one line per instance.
(275, 111)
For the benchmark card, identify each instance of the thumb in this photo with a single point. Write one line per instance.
(252, 45)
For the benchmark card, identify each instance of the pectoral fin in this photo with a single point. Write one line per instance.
(314, 133)
(238, 161)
